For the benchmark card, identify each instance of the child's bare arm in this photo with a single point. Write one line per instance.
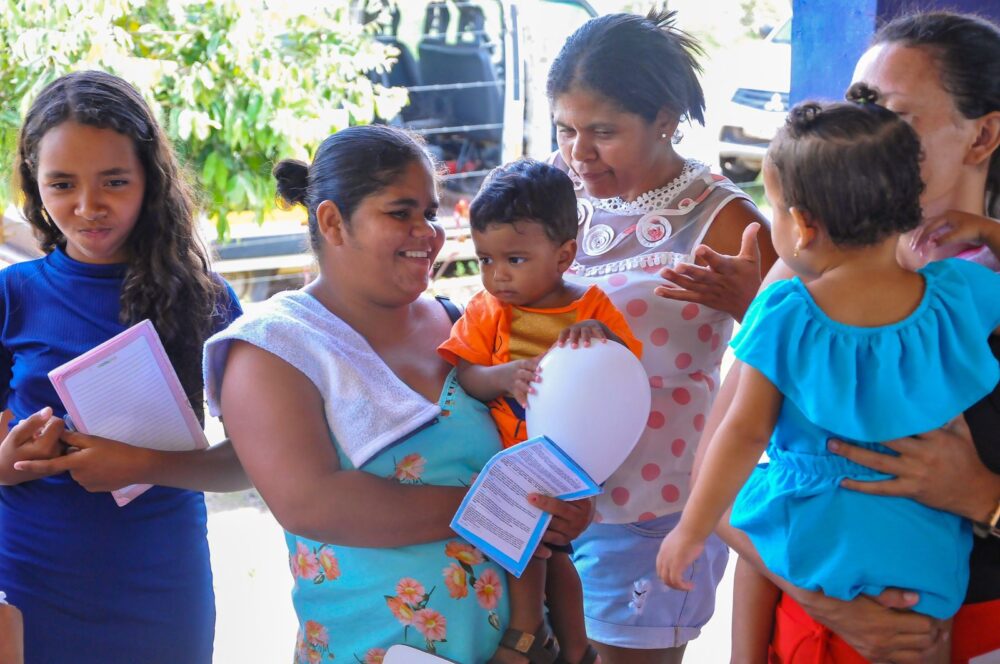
(486, 383)
(733, 451)
(731, 456)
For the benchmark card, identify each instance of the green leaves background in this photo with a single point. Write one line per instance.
(237, 84)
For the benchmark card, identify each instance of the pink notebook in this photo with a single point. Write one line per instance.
(127, 390)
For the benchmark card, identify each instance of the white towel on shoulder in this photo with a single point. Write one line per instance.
(367, 406)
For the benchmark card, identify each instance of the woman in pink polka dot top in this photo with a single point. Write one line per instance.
(619, 88)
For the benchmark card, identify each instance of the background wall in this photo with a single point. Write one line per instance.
(828, 37)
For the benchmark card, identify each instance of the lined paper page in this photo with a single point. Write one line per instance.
(125, 397)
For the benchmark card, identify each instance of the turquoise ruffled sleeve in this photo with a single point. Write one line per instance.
(983, 283)
(875, 384)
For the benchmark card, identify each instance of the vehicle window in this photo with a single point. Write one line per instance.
(452, 61)
(783, 34)
(546, 25)
(555, 20)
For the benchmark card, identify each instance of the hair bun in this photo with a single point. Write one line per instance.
(803, 115)
(862, 93)
(292, 177)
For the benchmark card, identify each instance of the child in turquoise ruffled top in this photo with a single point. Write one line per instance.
(865, 351)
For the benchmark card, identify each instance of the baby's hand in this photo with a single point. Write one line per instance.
(518, 377)
(953, 227)
(677, 553)
(583, 332)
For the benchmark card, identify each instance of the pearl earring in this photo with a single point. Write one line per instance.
(663, 135)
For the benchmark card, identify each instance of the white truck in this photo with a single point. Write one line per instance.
(475, 71)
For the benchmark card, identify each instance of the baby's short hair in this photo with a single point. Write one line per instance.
(527, 190)
(854, 166)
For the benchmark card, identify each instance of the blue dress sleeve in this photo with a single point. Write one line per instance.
(767, 329)
(872, 384)
(983, 285)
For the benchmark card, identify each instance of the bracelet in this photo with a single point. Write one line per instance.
(990, 527)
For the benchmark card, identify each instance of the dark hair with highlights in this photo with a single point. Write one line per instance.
(966, 49)
(527, 190)
(641, 64)
(854, 167)
(167, 278)
(349, 166)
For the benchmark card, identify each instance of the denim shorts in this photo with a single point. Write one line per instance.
(625, 603)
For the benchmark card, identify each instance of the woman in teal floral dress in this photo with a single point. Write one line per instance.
(356, 434)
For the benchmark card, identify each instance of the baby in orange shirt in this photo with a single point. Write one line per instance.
(524, 226)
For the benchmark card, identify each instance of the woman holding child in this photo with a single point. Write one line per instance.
(619, 89)
(356, 433)
(939, 71)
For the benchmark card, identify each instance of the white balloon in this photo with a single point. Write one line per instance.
(593, 402)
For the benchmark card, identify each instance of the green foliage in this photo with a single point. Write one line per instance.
(238, 84)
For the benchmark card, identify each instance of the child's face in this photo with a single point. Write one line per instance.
(92, 184)
(783, 232)
(520, 265)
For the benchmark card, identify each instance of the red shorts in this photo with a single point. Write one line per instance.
(798, 639)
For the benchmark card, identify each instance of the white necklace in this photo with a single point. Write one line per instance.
(655, 199)
(652, 229)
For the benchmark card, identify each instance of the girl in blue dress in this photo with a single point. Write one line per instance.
(864, 346)
(98, 583)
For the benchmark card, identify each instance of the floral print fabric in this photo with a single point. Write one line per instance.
(442, 597)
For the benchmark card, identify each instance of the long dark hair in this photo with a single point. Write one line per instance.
(167, 276)
(643, 64)
(966, 49)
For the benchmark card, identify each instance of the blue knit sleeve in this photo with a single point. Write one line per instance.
(6, 360)
(229, 308)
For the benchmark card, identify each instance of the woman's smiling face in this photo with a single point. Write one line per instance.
(391, 241)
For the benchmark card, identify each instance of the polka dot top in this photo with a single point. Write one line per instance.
(623, 246)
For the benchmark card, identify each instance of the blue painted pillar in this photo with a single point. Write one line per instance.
(829, 37)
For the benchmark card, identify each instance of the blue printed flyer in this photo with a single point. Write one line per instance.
(495, 515)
